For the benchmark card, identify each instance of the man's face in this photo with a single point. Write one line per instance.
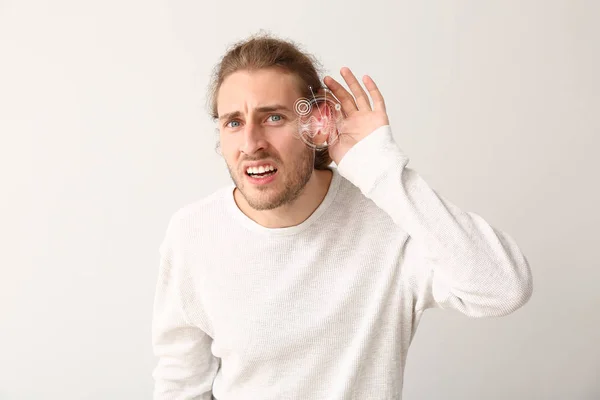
(258, 128)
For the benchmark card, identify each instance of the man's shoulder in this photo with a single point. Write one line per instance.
(195, 219)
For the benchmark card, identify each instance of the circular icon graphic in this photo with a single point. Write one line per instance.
(302, 107)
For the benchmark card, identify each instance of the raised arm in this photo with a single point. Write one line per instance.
(466, 264)
(459, 260)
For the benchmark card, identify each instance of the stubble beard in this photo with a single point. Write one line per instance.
(286, 191)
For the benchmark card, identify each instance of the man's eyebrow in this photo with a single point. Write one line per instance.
(275, 107)
(229, 115)
(263, 109)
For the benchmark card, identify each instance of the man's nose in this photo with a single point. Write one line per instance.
(254, 139)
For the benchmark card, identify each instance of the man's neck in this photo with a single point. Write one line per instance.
(296, 212)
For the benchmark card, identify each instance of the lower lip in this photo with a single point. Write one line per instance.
(261, 181)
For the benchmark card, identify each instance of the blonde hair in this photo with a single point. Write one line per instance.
(265, 51)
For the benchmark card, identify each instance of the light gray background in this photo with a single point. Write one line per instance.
(105, 135)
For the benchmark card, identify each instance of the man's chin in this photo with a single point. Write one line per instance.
(262, 203)
(259, 198)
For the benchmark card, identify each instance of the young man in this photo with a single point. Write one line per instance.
(307, 281)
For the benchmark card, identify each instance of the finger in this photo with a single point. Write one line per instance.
(378, 102)
(345, 98)
(362, 100)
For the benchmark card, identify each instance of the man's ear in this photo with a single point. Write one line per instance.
(323, 110)
(324, 123)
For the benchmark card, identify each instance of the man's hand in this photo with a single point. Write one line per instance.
(360, 119)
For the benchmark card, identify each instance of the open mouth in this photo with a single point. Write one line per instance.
(261, 174)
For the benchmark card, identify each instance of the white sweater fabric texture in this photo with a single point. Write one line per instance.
(325, 309)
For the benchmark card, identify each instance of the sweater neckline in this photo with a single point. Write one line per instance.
(291, 230)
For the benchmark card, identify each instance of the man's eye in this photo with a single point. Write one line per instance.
(231, 124)
(277, 117)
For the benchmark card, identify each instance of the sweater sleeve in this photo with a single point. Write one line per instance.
(186, 367)
(465, 264)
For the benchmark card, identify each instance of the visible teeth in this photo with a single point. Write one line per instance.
(260, 170)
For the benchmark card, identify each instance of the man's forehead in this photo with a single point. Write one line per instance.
(247, 90)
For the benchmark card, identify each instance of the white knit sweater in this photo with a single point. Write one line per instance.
(326, 309)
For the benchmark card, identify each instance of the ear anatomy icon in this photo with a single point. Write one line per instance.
(319, 119)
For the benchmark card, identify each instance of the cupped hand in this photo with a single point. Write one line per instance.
(361, 119)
